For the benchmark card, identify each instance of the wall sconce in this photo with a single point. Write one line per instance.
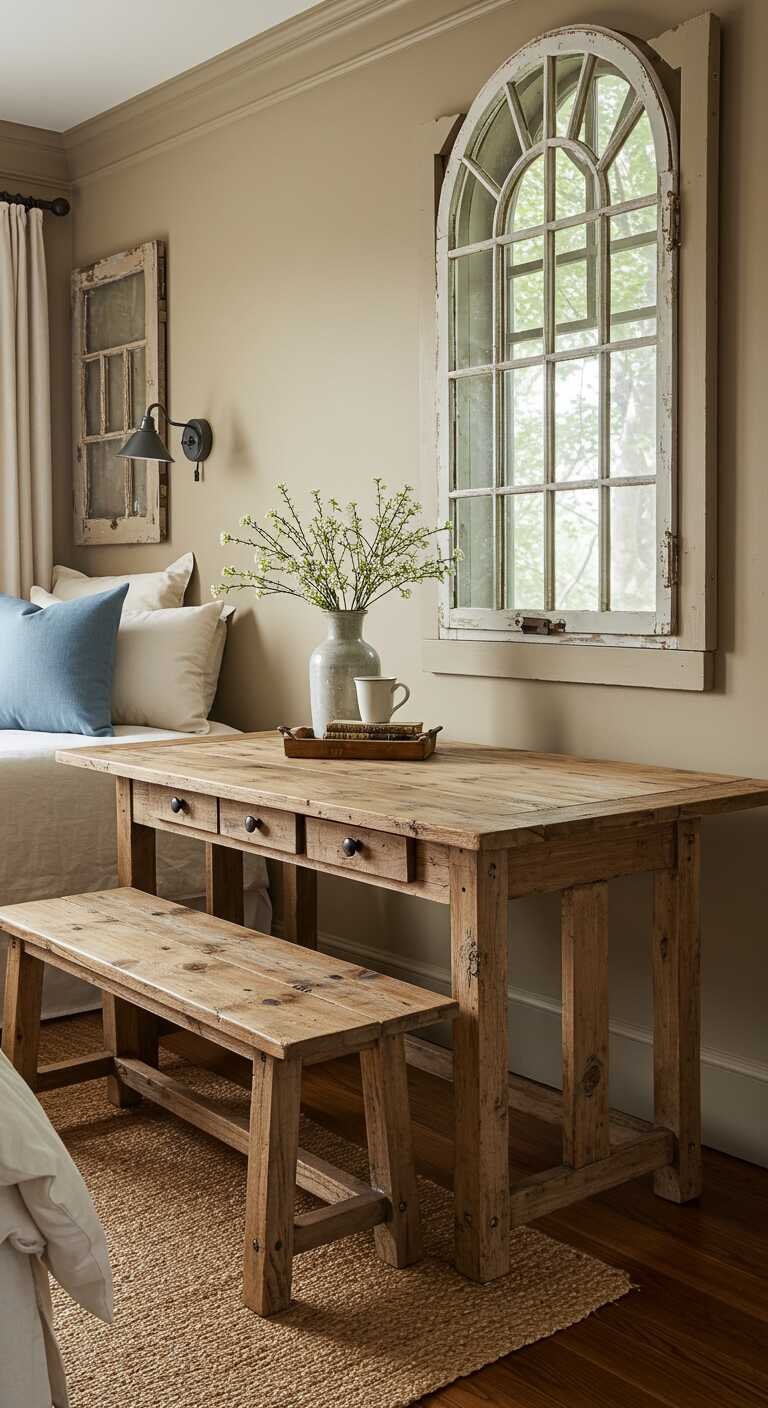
(145, 443)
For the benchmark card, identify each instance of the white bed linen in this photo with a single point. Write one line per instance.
(57, 837)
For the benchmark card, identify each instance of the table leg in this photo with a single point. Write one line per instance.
(677, 1015)
(224, 882)
(21, 1013)
(126, 1026)
(299, 905)
(586, 1133)
(479, 908)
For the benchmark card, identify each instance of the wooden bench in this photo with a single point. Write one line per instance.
(276, 1003)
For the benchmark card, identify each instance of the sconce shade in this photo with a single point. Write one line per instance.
(145, 444)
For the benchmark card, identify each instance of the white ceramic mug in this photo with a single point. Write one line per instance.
(375, 697)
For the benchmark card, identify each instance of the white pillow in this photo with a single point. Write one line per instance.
(147, 591)
(33, 1158)
(167, 664)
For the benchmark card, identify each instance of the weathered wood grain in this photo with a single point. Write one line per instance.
(271, 1187)
(224, 882)
(390, 1150)
(21, 1010)
(585, 1024)
(466, 796)
(677, 1015)
(479, 887)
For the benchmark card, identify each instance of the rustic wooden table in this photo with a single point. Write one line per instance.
(472, 828)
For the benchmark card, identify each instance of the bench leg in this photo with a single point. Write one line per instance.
(21, 1010)
(271, 1193)
(390, 1149)
(677, 1021)
(127, 1032)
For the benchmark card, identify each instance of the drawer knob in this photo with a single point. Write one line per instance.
(350, 846)
(178, 805)
(253, 823)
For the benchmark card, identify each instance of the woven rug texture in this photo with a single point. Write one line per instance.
(358, 1335)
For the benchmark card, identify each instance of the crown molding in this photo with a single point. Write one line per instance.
(315, 47)
(33, 155)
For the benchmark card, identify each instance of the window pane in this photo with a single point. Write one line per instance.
(633, 172)
(524, 425)
(114, 313)
(498, 148)
(575, 287)
(138, 386)
(524, 535)
(567, 72)
(106, 480)
(530, 90)
(474, 538)
(472, 308)
(577, 556)
(633, 411)
(633, 279)
(115, 406)
(473, 431)
(527, 207)
(571, 188)
(577, 394)
(611, 94)
(525, 298)
(635, 222)
(633, 548)
(475, 210)
(92, 373)
(138, 507)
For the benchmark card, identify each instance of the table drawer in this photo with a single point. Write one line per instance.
(261, 826)
(357, 848)
(194, 809)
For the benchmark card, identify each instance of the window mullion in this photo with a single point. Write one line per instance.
(604, 423)
(498, 294)
(549, 381)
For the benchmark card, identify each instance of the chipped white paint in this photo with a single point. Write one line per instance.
(594, 43)
(150, 527)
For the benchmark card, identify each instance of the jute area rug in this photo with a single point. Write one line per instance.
(359, 1335)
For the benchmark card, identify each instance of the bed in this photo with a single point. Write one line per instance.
(57, 837)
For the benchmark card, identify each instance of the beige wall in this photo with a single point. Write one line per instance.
(295, 256)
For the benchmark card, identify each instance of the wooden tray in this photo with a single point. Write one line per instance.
(398, 750)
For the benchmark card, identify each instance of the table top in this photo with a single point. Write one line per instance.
(466, 795)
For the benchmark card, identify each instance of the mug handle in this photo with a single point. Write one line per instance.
(405, 697)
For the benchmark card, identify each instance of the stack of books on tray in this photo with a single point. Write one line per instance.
(372, 733)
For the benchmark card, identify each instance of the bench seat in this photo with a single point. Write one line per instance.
(274, 1002)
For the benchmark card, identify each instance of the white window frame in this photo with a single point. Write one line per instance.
(682, 659)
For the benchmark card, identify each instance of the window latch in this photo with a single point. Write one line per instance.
(538, 625)
(670, 221)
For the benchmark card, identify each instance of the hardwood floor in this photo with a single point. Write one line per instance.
(693, 1335)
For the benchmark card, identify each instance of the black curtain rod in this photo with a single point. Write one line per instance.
(58, 206)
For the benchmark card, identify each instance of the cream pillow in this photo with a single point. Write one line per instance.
(167, 664)
(147, 591)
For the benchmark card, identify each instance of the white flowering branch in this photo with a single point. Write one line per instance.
(330, 561)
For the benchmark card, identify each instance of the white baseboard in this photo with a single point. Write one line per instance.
(734, 1091)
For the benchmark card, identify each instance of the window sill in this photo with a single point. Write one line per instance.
(640, 667)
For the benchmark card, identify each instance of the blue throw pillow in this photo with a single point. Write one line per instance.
(56, 665)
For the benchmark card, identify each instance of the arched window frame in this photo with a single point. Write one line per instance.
(594, 43)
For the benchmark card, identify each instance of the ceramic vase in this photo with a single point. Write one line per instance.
(333, 665)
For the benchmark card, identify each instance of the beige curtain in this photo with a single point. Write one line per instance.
(26, 490)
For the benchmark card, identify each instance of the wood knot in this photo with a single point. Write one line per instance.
(472, 958)
(194, 967)
(592, 1076)
(664, 947)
